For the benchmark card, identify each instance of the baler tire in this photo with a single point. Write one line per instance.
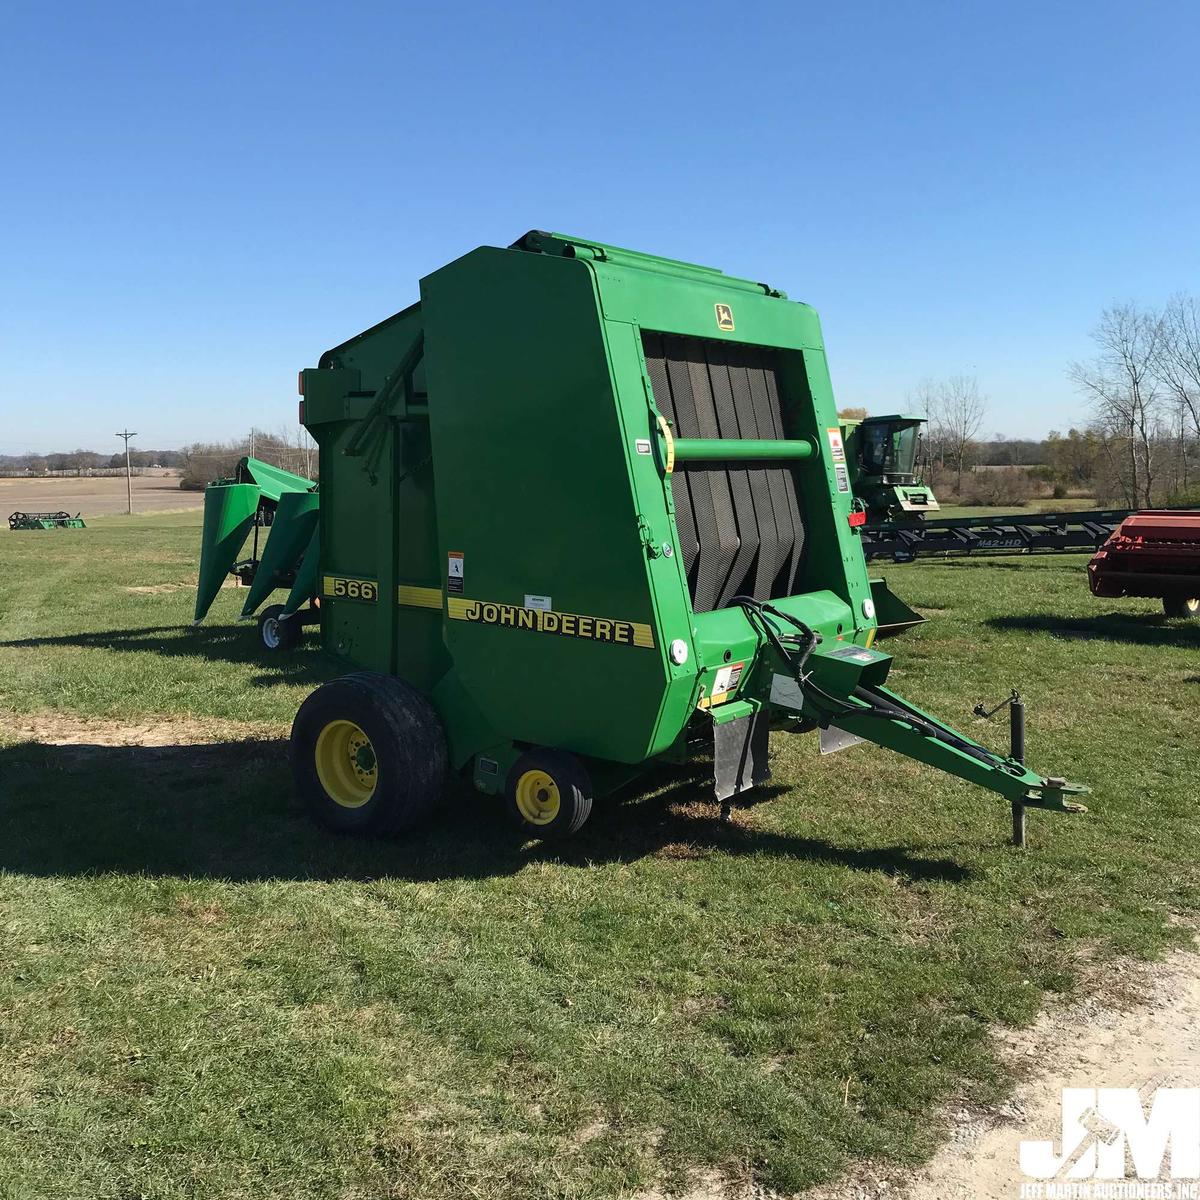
(403, 774)
(276, 634)
(570, 785)
(1181, 606)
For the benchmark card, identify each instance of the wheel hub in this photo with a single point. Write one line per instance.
(538, 797)
(346, 764)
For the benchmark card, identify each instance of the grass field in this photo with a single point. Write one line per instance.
(1029, 509)
(204, 996)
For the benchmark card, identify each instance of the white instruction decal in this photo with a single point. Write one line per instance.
(455, 576)
(727, 679)
(542, 603)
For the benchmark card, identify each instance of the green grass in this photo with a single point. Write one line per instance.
(1076, 504)
(206, 996)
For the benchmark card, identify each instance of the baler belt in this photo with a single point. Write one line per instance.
(739, 527)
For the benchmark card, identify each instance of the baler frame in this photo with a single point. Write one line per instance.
(569, 445)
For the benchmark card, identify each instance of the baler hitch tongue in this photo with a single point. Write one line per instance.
(1054, 793)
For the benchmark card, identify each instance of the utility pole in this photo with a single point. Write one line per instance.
(128, 472)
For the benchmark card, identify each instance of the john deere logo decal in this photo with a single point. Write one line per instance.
(724, 317)
(512, 616)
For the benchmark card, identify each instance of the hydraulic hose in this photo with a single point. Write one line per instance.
(870, 704)
(757, 611)
(881, 708)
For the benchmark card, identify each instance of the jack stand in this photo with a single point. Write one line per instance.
(1016, 738)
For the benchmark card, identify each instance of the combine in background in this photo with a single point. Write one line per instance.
(882, 456)
(1154, 553)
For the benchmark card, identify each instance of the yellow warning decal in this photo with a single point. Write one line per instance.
(669, 463)
(347, 587)
(538, 620)
(419, 597)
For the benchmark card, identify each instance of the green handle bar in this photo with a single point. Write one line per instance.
(717, 449)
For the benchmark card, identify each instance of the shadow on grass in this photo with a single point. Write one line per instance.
(1143, 629)
(225, 811)
(237, 643)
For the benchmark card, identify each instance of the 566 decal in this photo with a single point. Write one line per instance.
(346, 587)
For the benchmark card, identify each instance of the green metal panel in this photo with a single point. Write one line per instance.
(533, 490)
(229, 510)
(273, 482)
(377, 510)
(291, 531)
(307, 577)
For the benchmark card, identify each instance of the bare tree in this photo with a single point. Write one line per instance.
(1177, 367)
(1126, 393)
(956, 409)
(924, 398)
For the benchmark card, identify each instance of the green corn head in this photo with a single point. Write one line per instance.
(258, 496)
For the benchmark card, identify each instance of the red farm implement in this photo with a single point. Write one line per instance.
(1152, 553)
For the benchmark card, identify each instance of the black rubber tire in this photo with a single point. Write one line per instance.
(574, 790)
(1181, 606)
(276, 634)
(409, 745)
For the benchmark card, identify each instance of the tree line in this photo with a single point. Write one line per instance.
(1140, 448)
(1144, 389)
(79, 462)
(294, 451)
(198, 463)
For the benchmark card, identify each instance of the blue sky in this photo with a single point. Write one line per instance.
(201, 197)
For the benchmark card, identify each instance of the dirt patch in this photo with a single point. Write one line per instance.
(67, 729)
(710, 1185)
(95, 497)
(154, 589)
(1138, 1026)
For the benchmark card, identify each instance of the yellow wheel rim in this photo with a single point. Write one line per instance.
(346, 764)
(538, 799)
